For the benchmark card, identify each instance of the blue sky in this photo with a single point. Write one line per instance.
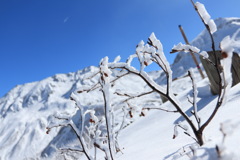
(40, 38)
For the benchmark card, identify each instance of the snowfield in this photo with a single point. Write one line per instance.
(28, 109)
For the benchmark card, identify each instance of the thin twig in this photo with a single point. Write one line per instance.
(71, 149)
(155, 108)
(156, 88)
(194, 99)
(140, 95)
(219, 101)
(97, 85)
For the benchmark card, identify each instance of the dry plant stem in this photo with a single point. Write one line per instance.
(74, 128)
(165, 71)
(194, 101)
(193, 56)
(160, 109)
(185, 132)
(70, 149)
(167, 95)
(136, 96)
(97, 85)
(213, 44)
(122, 125)
(72, 125)
(102, 149)
(97, 145)
(107, 126)
(183, 50)
(219, 102)
(93, 75)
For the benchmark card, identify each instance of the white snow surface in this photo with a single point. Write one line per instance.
(28, 109)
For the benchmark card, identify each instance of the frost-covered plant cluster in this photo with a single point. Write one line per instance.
(101, 131)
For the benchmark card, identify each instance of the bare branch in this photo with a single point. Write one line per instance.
(120, 94)
(93, 75)
(71, 149)
(195, 92)
(155, 108)
(155, 87)
(97, 85)
(105, 83)
(137, 96)
(76, 131)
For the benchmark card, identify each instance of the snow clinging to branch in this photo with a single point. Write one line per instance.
(206, 17)
(188, 48)
(185, 48)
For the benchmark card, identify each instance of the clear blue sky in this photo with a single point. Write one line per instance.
(40, 38)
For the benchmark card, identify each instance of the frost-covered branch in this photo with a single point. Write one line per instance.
(70, 149)
(195, 93)
(211, 28)
(101, 129)
(161, 60)
(227, 47)
(133, 96)
(188, 48)
(155, 51)
(161, 109)
(78, 134)
(97, 85)
(186, 131)
(206, 18)
(105, 83)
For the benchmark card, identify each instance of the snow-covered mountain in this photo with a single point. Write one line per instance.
(27, 109)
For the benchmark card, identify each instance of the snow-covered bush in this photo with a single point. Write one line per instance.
(103, 130)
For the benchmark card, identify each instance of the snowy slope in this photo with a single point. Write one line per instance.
(27, 109)
(154, 140)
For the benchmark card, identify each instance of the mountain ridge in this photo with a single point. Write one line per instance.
(29, 107)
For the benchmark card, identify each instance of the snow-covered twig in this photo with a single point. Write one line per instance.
(188, 48)
(133, 96)
(195, 93)
(161, 109)
(92, 76)
(71, 149)
(161, 60)
(211, 28)
(105, 83)
(76, 131)
(227, 47)
(154, 49)
(97, 85)
(185, 128)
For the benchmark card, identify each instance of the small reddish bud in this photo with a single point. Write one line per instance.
(92, 121)
(48, 130)
(130, 114)
(224, 55)
(142, 114)
(105, 74)
(174, 51)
